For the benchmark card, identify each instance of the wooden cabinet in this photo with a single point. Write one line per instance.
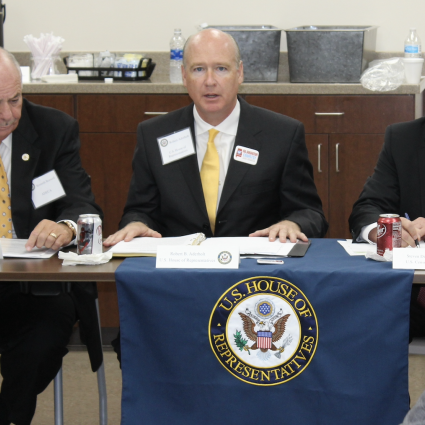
(63, 102)
(344, 135)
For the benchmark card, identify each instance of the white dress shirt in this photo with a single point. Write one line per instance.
(224, 141)
(364, 233)
(6, 157)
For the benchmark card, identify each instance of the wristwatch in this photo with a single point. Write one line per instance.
(74, 232)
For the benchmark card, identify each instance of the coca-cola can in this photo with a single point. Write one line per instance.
(389, 233)
(89, 234)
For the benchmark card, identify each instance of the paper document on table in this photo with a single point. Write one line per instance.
(357, 248)
(147, 247)
(254, 247)
(16, 248)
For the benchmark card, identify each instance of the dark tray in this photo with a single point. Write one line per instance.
(147, 70)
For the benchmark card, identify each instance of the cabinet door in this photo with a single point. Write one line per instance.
(107, 159)
(64, 103)
(121, 113)
(317, 145)
(162, 104)
(352, 159)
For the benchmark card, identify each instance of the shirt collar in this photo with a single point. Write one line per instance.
(8, 141)
(228, 126)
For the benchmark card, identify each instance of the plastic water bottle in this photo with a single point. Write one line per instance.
(176, 56)
(412, 45)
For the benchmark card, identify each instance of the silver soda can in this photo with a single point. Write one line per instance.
(89, 234)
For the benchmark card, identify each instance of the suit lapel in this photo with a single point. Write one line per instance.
(421, 158)
(23, 173)
(189, 165)
(247, 129)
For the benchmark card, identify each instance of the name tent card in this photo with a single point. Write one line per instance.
(197, 257)
(409, 258)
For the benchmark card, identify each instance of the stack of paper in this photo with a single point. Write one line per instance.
(247, 246)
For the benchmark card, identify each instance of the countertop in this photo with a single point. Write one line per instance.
(159, 84)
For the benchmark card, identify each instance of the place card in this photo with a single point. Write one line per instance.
(197, 257)
(409, 258)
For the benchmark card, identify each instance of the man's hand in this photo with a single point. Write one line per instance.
(132, 230)
(284, 229)
(411, 231)
(49, 234)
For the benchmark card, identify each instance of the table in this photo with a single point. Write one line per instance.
(355, 367)
(51, 269)
(17, 269)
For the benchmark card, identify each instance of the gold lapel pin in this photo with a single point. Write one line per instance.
(25, 157)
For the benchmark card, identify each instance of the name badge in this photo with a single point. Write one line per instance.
(176, 146)
(409, 258)
(247, 155)
(197, 257)
(46, 188)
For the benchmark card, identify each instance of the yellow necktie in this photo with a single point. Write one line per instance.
(210, 173)
(5, 211)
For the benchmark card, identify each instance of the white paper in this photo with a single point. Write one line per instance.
(357, 248)
(222, 256)
(254, 245)
(149, 246)
(46, 188)
(176, 146)
(247, 246)
(16, 248)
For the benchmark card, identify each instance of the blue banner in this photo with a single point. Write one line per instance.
(318, 340)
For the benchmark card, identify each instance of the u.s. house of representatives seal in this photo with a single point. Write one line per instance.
(264, 331)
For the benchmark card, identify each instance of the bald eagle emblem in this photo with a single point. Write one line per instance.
(263, 331)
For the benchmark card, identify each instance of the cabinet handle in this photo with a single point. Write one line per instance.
(337, 157)
(156, 113)
(329, 113)
(319, 150)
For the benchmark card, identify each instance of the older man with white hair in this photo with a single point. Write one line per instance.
(36, 320)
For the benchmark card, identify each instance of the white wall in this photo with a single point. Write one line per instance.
(126, 25)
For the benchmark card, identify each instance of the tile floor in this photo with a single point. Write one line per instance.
(81, 399)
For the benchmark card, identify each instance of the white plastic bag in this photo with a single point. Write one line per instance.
(384, 75)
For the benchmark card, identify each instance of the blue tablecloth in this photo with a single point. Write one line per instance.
(358, 374)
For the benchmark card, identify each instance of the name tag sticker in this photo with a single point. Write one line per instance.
(197, 257)
(46, 188)
(409, 258)
(247, 155)
(176, 146)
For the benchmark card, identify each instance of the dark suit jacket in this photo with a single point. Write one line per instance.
(169, 198)
(51, 140)
(398, 184)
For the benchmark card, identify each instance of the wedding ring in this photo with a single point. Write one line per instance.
(54, 235)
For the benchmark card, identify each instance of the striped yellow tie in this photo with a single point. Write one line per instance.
(5, 211)
(210, 173)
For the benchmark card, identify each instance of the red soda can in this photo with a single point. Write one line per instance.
(89, 234)
(389, 233)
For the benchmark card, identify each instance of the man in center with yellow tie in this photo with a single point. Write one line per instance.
(220, 166)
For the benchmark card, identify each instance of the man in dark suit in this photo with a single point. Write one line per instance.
(271, 195)
(262, 179)
(34, 330)
(397, 187)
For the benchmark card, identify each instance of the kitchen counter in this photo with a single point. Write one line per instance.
(159, 84)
